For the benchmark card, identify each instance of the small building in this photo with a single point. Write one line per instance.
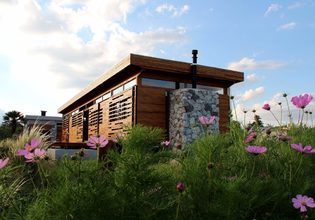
(136, 91)
(50, 125)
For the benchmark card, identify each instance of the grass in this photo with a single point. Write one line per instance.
(222, 180)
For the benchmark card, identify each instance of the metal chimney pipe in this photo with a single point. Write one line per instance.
(43, 113)
(194, 69)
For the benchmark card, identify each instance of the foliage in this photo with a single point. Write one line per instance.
(219, 179)
(14, 120)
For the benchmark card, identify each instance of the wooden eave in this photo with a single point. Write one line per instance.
(156, 64)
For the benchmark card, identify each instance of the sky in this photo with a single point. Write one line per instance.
(52, 49)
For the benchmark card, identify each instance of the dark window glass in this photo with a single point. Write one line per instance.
(158, 83)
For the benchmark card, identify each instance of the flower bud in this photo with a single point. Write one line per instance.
(210, 166)
(180, 186)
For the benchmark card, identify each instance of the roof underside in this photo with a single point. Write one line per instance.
(160, 65)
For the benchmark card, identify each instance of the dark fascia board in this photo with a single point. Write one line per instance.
(164, 65)
(42, 118)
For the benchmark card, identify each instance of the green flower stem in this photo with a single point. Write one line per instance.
(275, 117)
(40, 171)
(290, 116)
(290, 176)
(252, 173)
(178, 205)
(298, 122)
(244, 120)
(234, 109)
(79, 168)
(301, 123)
(281, 115)
(299, 166)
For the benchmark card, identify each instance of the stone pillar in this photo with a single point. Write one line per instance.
(185, 108)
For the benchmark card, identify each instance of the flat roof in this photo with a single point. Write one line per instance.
(161, 65)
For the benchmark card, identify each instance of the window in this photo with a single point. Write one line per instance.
(75, 112)
(107, 95)
(158, 83)
(130, 84)
(118, 90)
(99, 100)
(215, 89)
(185, 85)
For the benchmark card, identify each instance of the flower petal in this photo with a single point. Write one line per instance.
(303, 208)
(35, 143)
(21, 152)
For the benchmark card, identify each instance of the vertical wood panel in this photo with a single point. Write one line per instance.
(65, 128)
(151, 107)
(224, 108)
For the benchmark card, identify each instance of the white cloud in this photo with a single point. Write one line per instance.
(251, 78)
(296, 5)
(47, 54)
(280, 113)
(175, 11)
(273, 8)
(251, 64)
(250, 94)
(288, 26)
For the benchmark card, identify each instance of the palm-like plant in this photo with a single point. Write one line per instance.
(14, 120)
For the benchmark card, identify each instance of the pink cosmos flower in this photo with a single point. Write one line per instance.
(304, 150)
(256, 149)
(284, 138)
(97, 141)
(204, 120)
(3, 163)
(266, 107)
(302, 101)
(300, 202)
(180, 186)
(165, 143)
(39, 154)
(250, 137)
(28, 148)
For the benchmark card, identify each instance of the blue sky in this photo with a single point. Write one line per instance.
(50, 50)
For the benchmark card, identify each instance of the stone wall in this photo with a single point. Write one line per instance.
(186, 106)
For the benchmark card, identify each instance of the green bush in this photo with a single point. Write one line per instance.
(222, 180)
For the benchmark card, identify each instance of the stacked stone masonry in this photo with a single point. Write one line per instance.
(186, 106)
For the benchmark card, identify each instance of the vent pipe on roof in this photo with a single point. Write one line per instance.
(194, 69)
(43, 113)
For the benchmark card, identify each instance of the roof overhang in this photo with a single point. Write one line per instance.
(160, 65)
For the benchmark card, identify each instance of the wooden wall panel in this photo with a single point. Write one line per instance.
(76, 127)
(65, 128)
(151, 106)
(95, 119)
(120, 113)
(103, 126)
(224, 108)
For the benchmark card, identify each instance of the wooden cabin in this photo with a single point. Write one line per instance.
(135, 92)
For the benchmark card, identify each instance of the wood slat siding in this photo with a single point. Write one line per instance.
(65, 128)
(120, 113)
(151, 109)
(224, 108)
(95, 119)
(76, 127)
(103, 127)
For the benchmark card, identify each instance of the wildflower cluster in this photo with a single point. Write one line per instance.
(31, 152)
